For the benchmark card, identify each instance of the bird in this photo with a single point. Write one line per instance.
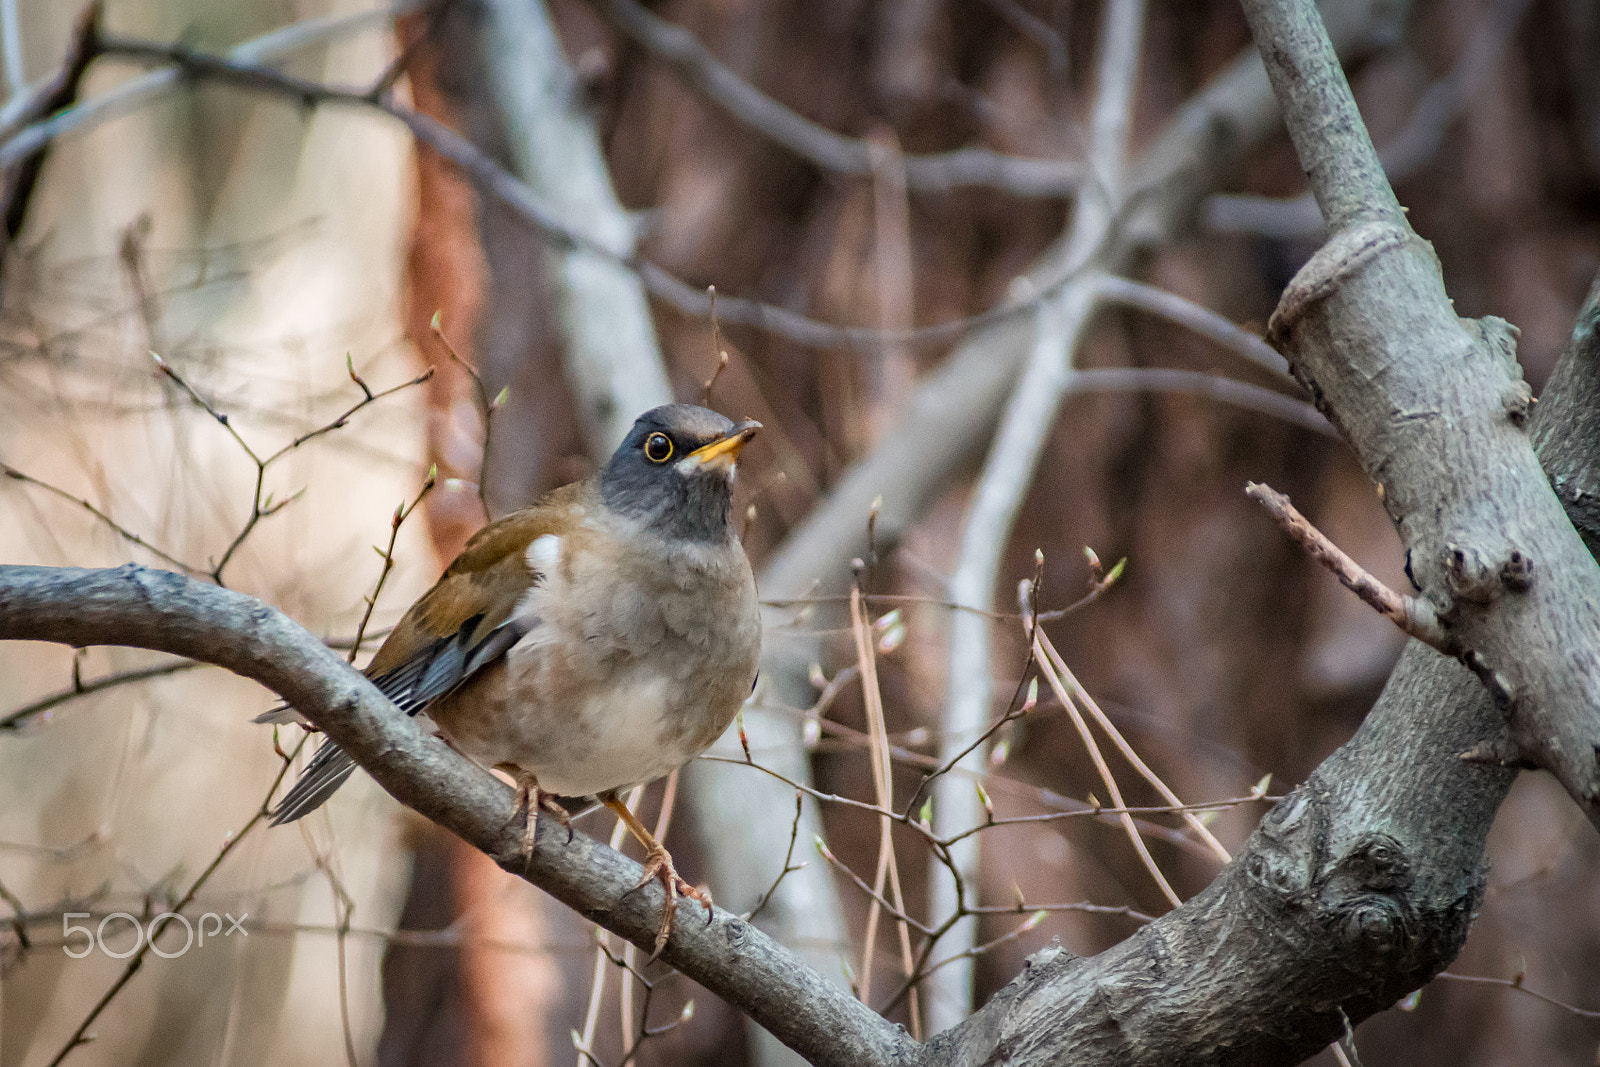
(597, 640)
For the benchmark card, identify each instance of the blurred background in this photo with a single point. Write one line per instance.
(285, 254)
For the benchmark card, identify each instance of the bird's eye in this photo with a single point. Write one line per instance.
(658, 448)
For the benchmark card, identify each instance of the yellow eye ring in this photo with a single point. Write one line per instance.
(658, 448)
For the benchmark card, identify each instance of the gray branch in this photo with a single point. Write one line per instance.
(1436, 409)
(166, 612)
(1030, 414)
(609, 347)
(1357, 888)
(939, 172)
(954, 409)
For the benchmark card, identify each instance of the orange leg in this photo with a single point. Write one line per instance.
(658, 864)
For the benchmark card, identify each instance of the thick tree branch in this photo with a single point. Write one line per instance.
(1435, 408)
(167, 612)
(1357, 888)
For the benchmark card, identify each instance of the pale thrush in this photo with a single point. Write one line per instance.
(597, 640)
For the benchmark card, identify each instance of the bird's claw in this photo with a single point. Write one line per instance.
(530, 801)
(658, 865)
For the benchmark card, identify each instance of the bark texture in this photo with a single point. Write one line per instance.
(1437, 410)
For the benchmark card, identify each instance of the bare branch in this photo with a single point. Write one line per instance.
(1405, 153)
(11, 48)
(1226, 390)
(1516, 984)
(18, 144)
(609, 347)
(81, 1035)
(22, 717)
(110, 523)
(1193, 317)
(58, 92)
(940, 172)
(136, 606)
(1029, 417)
(1080, 695)
(1436, 408)
(1415, 617)
(1047, 668)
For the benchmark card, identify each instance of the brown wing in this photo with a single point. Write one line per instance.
(461, 625)
(465, 621)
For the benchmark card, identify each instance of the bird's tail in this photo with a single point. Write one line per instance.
(320, 780)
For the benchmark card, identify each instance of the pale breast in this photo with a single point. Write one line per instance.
(633, 664)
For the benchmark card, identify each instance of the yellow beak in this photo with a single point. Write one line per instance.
(722, 453)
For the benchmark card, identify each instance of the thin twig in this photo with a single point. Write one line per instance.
(875, 896)
(883, 786)
(789, 866)
(584, 1043)
(1033, 920)
(486, 408)
(1414, 616)
(1516, 984)
(19, 920)
(1103, 811)
(339, 421)
(401, 514)
(669, 796)
(110, 523)
(1071, 808)
(261, 503)
(133, 965)
(18, 719)
(1127, 750)
(716, 350)
(1012, 713)
(1047, 668)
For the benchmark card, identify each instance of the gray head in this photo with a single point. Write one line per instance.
(674, 471)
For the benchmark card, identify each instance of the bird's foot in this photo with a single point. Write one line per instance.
(530, 801)
(658, 865)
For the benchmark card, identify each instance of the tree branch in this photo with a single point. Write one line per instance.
(1435, 408)
(60, 91)
(1414, 617)
(162, 611)
(938, 172)
(1354, 890)
(609, 347)
(1030, 415)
